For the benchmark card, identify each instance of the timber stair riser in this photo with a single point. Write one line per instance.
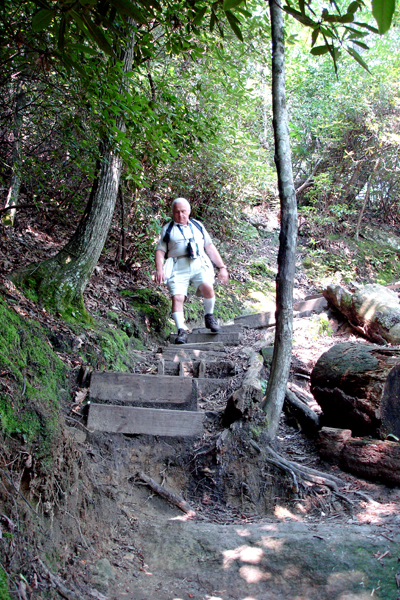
(227, 339)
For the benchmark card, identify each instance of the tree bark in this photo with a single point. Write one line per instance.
(61, 280)
(15, 183)
(280, 366)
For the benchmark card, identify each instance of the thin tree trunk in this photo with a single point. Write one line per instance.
(364, 206)
(15, 183)
(61, 280)
(277, 382)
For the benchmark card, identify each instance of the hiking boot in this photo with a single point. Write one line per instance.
(182, 337)
(212, 323)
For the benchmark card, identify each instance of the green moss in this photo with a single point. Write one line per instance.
(43, 284)
(4, 593)
(153, 306)
(29, 404)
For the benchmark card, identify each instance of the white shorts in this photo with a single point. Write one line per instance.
(185, 271)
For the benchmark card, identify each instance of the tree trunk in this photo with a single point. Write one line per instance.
(373, 459)
(277, 383)
(61, 280)
(15, 183)
(358, 387)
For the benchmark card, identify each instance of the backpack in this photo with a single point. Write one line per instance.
(167, 235)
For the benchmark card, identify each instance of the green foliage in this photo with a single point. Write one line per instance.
(321, 326)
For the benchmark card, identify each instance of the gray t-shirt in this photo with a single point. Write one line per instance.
(179, 239)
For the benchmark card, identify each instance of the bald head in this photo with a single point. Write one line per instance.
(181, 211)
(182, 201)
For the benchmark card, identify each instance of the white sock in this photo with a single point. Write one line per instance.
(209, 305)
(179, 319)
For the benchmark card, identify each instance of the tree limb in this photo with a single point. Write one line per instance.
(167, 494)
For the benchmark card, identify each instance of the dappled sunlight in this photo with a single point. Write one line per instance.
(247, 554)
(243, 532)
(272, 544)
(253, 574)
(374, 512)
(292, 571)
(283, 513)
(338, 583)
(270, 527)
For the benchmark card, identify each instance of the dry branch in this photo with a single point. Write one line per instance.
(304, 415)
(167, 494)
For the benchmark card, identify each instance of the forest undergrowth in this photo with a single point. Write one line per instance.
(59, 481)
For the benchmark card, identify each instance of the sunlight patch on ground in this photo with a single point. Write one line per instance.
(243, 532)
(253, 574)
(283, 513)
(374, 512)
(247, 554)
(261, 302)
(272, 544)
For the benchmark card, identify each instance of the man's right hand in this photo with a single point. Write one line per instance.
(159, 276)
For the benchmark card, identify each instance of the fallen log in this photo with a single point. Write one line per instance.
(373, 311)
(357, 386)
(294, 407)
(376, 460)
(240, 404)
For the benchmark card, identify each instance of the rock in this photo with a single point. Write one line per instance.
(358, 387)
(385, 238)
(105, 573)
(373, 310)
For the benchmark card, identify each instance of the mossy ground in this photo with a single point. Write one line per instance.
(29, 403)
(4, 595)
(341, 260)
(153, 306)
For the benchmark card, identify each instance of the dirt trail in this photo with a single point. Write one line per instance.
(157, 553)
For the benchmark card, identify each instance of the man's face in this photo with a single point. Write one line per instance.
(181, 213)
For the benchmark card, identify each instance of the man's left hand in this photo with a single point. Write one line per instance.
(223, 275)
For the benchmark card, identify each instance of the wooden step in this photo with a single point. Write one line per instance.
(257, 320)
(227, 339)
(316, 305)
(150, 421)
(213, 346)
(143, 390)
(211, 369)
(224, 329)
(183, 354)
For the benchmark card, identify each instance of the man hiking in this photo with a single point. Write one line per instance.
(190, 255)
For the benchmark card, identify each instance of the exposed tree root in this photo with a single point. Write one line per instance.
(306, 473)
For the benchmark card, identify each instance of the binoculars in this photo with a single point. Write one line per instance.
(192, 249)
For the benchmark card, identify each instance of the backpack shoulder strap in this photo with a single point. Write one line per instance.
(167, 236)
(198, 225)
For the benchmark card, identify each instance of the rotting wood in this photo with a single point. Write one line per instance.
(240, 404)
(376, 460)
(167, 494)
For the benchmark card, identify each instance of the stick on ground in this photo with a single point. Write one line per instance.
(167, 494)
